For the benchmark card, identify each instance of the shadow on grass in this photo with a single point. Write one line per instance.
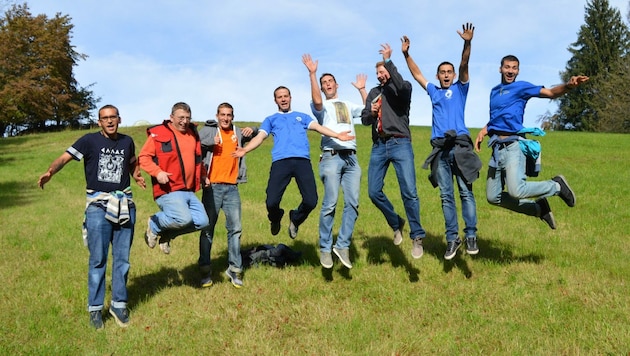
(381, 246)
(489, 250)
(15, 193)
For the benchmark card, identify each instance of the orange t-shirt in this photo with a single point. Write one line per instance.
(224, 167)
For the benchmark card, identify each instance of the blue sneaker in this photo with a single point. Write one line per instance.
(234, 277)
(121, 315)
(96, 319)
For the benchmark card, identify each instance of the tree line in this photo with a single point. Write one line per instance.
(38, 91)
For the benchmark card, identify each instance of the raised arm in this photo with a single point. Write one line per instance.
(413, 67)
(316, 93)
(467, 34)
(562, 89)
(360, 85)
(55, 167)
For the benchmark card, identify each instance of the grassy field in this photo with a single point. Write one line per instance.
(530, 290)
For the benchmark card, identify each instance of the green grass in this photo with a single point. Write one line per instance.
(531, 290)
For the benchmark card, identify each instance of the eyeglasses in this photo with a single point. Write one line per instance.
(109, 118)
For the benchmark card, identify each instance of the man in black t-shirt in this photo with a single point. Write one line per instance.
(109, 160)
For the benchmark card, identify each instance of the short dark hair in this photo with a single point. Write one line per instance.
(509, 58)
(327, 74)
(182, 106)
(280, 88)
(225, 105)
(108, 106)
(445, 63)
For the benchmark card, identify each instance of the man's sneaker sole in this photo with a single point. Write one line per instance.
(398, 233)
(471, 246)
(450, 254)
(325, 259)
(345, 260)
(566, 193)
(120, 323)
(417, 250)
(293, 230)
(234, 278)
(149, 237)
(545, 213)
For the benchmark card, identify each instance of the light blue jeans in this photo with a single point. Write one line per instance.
(397, 151)
(216, 197)
(181, 213)
(100, 234)
(339, 170)
(511, 174)
(446, 170)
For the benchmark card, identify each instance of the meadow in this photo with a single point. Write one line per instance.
(530, 290)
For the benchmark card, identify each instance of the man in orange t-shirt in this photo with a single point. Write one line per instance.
(225, 172)
(172, 156)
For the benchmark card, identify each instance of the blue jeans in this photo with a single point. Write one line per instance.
(339, 170)
(397, 151)
(226, 197)
(446, 170)
(511, 174)
(100, 233)
(181, 213)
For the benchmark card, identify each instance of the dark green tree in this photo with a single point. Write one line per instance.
(37, 84)
(599, 52)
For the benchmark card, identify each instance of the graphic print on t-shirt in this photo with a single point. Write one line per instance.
(110, 165)
(342, 113)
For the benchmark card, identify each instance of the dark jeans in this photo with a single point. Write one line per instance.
(279, 178)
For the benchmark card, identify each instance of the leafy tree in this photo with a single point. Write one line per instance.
(600, 52)
(37, 85)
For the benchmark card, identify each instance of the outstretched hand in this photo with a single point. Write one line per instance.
(361, 80)
(405, 44)
(345, 136)
(467, 31)
(386, 51)
(309, 63)
(576, 80)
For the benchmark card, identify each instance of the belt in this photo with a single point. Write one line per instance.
(385, 137)
(502, 145)
(342, 152)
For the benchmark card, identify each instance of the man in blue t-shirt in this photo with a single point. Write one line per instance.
(452, 154)
(290, 158)
(507, 165)
(109, 160)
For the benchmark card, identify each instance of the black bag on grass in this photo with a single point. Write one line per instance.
(277, 256)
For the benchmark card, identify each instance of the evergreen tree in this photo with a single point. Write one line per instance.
(603, 44)
(37, 85)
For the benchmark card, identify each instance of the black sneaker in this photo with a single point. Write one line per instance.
(275, 227)
(96, 319)
(293, 230)
(451, 248)
(545, 213)
(471, 246)
(566, 193)
(121, 315)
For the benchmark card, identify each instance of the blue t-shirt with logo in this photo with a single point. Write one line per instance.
(448, 108)
(289, 134)
(507, 105)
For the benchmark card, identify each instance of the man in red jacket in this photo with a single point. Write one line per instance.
(172, 156)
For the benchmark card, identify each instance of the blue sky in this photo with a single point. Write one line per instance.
(146, 55)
